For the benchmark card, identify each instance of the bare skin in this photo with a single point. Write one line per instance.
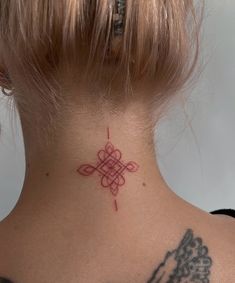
(65, 227)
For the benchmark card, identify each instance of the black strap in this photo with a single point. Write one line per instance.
(226, 211)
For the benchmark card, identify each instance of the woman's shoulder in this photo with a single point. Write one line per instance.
(204, 247)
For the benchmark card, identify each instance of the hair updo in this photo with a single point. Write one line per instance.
(44, 44)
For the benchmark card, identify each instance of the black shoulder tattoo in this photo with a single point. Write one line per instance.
(188, 263)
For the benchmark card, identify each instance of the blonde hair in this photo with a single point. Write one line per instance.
(41, 39)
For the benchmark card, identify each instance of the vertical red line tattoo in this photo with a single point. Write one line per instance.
(110, 167)
(115, 205)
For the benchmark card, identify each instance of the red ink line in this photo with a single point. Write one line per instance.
(115, 205)
(108, 134)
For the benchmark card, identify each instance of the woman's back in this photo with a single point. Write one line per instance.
(183, 244)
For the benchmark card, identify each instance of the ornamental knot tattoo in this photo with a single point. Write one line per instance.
(110, 168)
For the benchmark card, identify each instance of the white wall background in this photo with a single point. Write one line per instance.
(198, 162)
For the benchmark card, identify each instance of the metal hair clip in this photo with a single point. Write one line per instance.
(120, 7)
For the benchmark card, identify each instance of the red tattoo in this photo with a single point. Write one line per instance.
(110, 167)
(115, 205)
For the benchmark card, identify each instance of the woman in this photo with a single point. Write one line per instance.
(90, 79)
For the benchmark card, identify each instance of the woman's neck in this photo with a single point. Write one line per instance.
(100, 166)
